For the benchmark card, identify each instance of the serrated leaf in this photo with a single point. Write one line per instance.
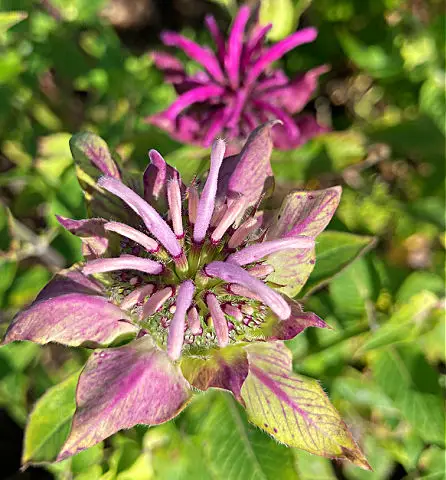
(49, 422)
(293, 409)
(334, 252)
(404, 325)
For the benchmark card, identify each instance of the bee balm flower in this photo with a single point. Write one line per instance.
(188, 287)
(238, 89)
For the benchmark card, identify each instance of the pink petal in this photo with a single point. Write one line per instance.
(91, 231)
(288, 122)
(122, 387)
(235, 45)
(176, 329)
(278, 50)
(251, 225)
(153, 221)
(201, 55)
(217, 36)
(72, 319)
(234, 274)
(196, 95)
(155, 178)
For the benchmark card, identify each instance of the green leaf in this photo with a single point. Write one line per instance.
(354, 289)
(379, 60)
(413, 385)
(432, 99)
(417, 281)
(334, 252)
(404, 325)
(49, 422)
(9, 19)
(234, 449)
(293, 409)
(281, 14)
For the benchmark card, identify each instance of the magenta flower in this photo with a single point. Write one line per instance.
(189, 287)
(237, 90)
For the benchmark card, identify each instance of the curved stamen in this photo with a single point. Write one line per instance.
(232, 273)
(124, 262)
(152, 219)
(176, 329)
(253, 253)
(218, 319)
(233, 311)
(137, 296)
(156, 301)
(232, 212)
(207, 201)
(122, 229)
(245, 229)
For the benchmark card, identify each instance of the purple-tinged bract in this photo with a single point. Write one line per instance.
(182, 287)
(237, 88)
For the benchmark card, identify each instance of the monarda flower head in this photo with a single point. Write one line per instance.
(237, 90)
(189, 287)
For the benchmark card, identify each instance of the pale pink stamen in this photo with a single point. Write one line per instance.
(231, 214)
(261, 271)
(218, 319)
(193, 320)
(137, 296)
(156, 301)
(193, 200)
(219, 211)
(207, 200)
(174, 200)
(233, 311)
(256, 252)
(247, 228)
(152, 219)
(122, 229)
(175, 337)
(124, 262)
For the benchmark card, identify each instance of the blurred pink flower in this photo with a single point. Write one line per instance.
(238, 89)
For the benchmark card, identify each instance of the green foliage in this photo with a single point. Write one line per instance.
(379, 276)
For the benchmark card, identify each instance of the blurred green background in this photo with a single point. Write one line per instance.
(70, 65)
